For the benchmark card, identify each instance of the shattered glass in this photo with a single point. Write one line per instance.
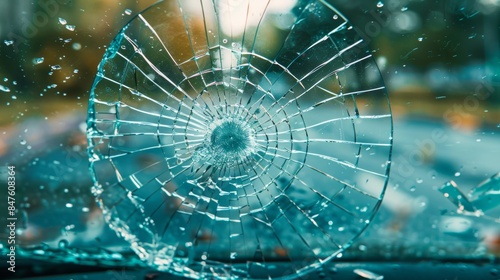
(217, 152)
(484, 199)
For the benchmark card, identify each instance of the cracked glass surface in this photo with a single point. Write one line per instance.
(217, 152)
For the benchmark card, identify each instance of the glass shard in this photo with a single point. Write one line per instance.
(227, 136)
(483, 198)
(366, 274)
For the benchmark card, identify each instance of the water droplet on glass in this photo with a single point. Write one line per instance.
(419, 180)
(38, 60)
(216, 150)
(8, 42)
(420, 39)
(62, 21)
(55, 67)
(380, 4)
(38, 252)
(128, 11)
(403, 9)
(4, 88)
(63, 244)
(420, 201)
(457, 174)
(23, 142)
(69, 205)
(70, 27)
(76, 46)
(335, 16)
(69, 227)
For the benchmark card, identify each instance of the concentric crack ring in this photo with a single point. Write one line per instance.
(219, 148)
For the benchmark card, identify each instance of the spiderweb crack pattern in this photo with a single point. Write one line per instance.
(220, 149)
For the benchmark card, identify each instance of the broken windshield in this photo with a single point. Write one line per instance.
(251, 139)
(208, 143)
